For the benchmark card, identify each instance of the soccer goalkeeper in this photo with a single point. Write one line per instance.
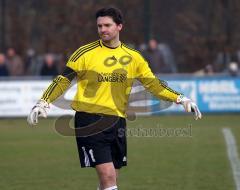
(104, 71)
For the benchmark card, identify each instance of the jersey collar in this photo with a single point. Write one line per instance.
(102, 45)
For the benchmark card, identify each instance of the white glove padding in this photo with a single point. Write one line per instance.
(190, 106)
(39, 110)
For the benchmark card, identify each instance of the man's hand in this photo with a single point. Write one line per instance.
(39, 110)
(189, 106)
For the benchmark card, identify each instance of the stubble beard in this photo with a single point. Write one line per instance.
(109, 40)
(106, 40)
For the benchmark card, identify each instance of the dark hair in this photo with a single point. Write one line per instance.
(113, 12)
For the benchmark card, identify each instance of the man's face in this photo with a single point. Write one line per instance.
(49, 60)
(107, 28)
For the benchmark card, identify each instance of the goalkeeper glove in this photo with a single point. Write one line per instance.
(189, 106)
(39, 110)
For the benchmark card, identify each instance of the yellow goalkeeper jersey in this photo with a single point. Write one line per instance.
(105, 76)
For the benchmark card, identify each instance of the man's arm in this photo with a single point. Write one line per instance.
(162, 91)
(159, 89)
(58, 86)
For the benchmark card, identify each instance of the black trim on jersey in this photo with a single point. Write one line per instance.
(99, 43)
(69, 73)
(131, 48)
(48, 89)
(169, 89)
(110, 47)
(126, 51)
(51, 88)
(83, 48)
(134, 50)
(85, 51)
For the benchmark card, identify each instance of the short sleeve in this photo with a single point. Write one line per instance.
(76, 64)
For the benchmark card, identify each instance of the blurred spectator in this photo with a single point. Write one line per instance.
(233, 69)
(155, 58)
(224, 58)
(206, 71)
(32, 66)
(49, 67)
(3, 66)
(168, 57)
(15, 63)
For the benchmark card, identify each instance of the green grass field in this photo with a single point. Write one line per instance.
(41, 159)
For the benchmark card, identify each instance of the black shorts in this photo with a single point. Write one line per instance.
(101, 139)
